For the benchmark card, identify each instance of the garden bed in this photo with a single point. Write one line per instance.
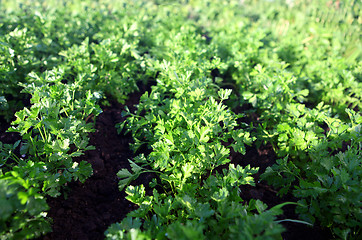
(182, 120)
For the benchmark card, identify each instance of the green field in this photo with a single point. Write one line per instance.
(223, 79)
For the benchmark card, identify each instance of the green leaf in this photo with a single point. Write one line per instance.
(127, 176)
(85, 170)
(187, 170)
(23, 196)
(224, 93)
(220, 195)
(203, 210)
(203, 131)
(129, 223)
(124, 173)
(260, 206)
(136, 194)
(247, 95)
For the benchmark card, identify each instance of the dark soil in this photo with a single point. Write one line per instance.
(91, 207)
(86, 210)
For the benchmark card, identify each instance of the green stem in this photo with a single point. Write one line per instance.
(66, 113)
(32, 143)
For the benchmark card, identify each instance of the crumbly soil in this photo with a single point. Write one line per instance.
(85, 211)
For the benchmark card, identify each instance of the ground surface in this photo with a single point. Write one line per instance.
(86, 210)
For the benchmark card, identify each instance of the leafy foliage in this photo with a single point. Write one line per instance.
(22, 208)
(293, 67)
(55, 123)
(331, 192)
